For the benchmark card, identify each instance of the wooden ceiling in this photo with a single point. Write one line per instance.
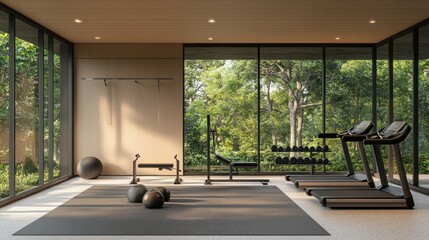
(237, 21)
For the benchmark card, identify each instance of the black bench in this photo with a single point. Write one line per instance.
(160, 166)
(235, 166)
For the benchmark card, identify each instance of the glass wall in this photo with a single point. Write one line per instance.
(403, 96)
(38, 103)
(26, 107)
(290, 103)
(382, 89)
(348, 98)
(423, 143)
(221, 82)
(4, 105)
(60, 118)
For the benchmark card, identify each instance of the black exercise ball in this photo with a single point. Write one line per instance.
(153, 199)
(136, 193)
(164, 191)
(89, 168)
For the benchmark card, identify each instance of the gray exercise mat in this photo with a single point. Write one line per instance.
(192, 210)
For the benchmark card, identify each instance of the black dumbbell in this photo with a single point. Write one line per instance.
(325, 148)
(280, 149)
(294, 149)
(306, 149)
(285, 160)
(319, 161)
(300, 148)
(312, 149)
(307, 160)
(292, 160)
(287, 149)
(313, 160)
(325, 161)
(278, 160)
(318, 149)
(274, 148)
(300, 160)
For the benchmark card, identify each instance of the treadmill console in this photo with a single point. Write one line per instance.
(392, 129)
(362, 128)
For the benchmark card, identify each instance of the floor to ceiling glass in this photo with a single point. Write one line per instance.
(290, 103)
(221, 82)
(348, 98)
(423, 142)
(403, 97)
(26, 107)
(35, 105)
(4, 105)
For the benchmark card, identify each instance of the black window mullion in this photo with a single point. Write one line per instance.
(51, 108)
(416, 107)
(12, 137)
(41, 43)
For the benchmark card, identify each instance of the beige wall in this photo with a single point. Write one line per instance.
(115, 122)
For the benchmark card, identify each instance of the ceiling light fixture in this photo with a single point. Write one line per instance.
(337, 38)
(77, 20)
(372, 21)
(97, 38)
(210, 39)
(212, 21)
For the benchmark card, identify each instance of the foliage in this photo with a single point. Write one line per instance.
(228, 89)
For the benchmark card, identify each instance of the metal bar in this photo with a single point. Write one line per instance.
(382, 172)
(259, 111)
(12, 137)
(416, 107)
(70, 105)
(126, 78)
(51, 108)
(390, 104)
(324, 94)
(374, 97)
(208, 151)
(41, 138)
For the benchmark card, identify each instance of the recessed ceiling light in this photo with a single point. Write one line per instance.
(77, 20)
(372, 21)
(210, 39)
(97, 38)
(337, 38)
(212, 21)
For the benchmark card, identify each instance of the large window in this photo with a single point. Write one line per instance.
(348, 97)
(221, 82)
(26, 107)
(403, 96)
(4, 105)
(34, 107)
(291, 102)
(423, 143)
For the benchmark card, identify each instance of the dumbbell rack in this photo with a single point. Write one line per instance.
(309, 161)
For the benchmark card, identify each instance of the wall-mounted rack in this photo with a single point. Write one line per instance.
(135, 79)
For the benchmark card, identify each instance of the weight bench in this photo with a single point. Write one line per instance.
(235, 166)
(160, 166)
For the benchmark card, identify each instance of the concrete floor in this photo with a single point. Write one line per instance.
(341, 224)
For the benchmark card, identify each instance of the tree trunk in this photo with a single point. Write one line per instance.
(270, 109)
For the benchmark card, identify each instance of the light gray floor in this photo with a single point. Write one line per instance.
(341, 224)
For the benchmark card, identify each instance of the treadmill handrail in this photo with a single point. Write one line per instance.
(375, 139)
(327, 135)
(354, 138)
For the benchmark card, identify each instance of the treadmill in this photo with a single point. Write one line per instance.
(355, 134)
(384, 196)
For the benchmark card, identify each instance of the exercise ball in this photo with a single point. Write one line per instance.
(164, 191)
(89, 168)
(136, 193)
(153, 199)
